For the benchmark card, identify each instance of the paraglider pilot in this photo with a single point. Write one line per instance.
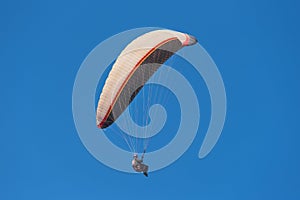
(138, 165)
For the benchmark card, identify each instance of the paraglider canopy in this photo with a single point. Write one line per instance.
(133, 68)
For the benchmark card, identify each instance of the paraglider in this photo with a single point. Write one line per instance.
(140, 59)
(138, 165)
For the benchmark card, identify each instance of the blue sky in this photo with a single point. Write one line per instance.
(255, 45)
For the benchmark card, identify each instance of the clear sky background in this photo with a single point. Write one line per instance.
(255, 45)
